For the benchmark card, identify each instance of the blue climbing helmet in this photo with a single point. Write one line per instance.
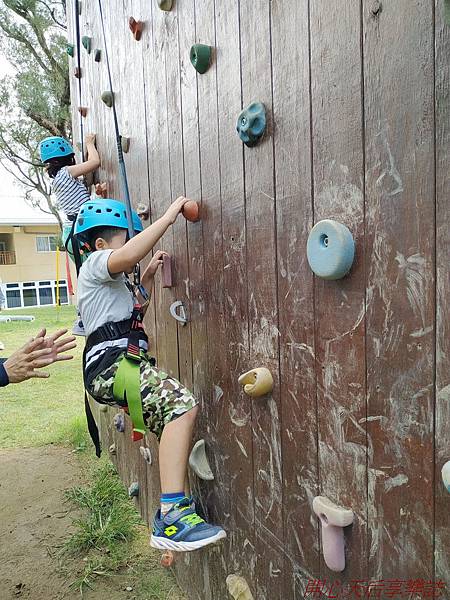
(103, 213)
(54, 147)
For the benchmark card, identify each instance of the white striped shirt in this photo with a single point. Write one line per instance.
(70, 193)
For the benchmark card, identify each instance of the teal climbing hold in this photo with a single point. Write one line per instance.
(97, 55)
(252, 123)
(330, 249)
(70, 49)
(133, 490)
(108, 98)
(200, 57)
(87, 43)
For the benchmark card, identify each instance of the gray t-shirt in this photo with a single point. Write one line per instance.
(102, 297)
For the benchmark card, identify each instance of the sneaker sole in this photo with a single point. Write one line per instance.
(166, 544)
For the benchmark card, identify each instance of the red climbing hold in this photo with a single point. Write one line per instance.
(82, 110)
(167, 271)
(136, 28)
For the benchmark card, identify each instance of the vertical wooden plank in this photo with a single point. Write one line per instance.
(442, 430)
(230, 426)
(255, 19)
(291, 72)
(340, 305)
(400, 246)
(159, 175)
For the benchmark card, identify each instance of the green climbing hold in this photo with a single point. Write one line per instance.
(70, 49)
(108, 98)
(201, 57)
(97, 55)
(87, 43)
(165, 4)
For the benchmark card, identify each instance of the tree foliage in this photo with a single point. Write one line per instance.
(34, 102)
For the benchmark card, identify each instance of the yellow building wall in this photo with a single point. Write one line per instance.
(32, 265)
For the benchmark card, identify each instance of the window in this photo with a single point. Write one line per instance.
(46, 243)
(13, 299)
(36, 293)
(2, 246)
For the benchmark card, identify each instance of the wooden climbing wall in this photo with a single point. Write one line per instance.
(357, 97)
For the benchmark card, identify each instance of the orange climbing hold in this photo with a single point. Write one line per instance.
(136, 28)
(191, 211)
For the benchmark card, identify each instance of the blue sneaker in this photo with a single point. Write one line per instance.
(182, 530)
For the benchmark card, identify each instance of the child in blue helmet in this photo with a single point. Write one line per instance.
(58, 156)
(168, 409)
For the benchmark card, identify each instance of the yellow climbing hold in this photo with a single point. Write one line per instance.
(238, 588)
(257, 382)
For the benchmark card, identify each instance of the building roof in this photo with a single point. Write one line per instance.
(14, 210)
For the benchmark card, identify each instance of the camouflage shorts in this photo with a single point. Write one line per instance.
(163, 398)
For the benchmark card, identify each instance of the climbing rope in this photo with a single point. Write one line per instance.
(123, 171)
(78, 46)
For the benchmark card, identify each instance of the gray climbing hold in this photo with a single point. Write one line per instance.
(125, 143)
(146, 454)
(112, 449)
(119, 422)
(108, 98)
(133, 490)
(103, 408)
(198, 462)
(98, 55)
(330, 249)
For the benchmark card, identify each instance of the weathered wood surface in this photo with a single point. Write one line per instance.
(358, 111)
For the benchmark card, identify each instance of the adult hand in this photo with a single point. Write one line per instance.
(38, 352)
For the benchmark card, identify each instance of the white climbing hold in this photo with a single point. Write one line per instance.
(333, 519)
(112, 449)
(446, 475)
(198, 462)
(146, 454)
(238, 588)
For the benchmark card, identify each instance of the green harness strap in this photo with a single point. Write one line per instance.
(127, 388)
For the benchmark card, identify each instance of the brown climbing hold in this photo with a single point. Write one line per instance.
(77, 72)
(238, 588)
(101, 189)
(82, 110)
(136, 28)
(167, 281)
(191, 211)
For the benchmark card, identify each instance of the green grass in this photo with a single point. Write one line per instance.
(38, 412)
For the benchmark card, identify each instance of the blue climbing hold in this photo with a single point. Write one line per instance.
(330, 249)
(252, 123)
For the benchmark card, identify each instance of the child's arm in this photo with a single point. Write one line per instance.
(124, 259)
(93, 159)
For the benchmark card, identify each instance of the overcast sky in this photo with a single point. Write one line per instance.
(12, 203)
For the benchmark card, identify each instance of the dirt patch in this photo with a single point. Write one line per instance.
(34, 522)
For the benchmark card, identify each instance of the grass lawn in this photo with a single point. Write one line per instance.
(42, 411)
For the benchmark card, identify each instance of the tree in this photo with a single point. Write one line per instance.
(35, 102)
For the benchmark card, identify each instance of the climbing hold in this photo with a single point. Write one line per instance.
(167, 559)
(447, 11)
(97, 55)
(77, 72)
(143, 212)
(238, 588)
(333, 519)
(112, 449)
(181, 317)
(252, 123)
(200, 57)
(103, 408)
(125, 143)
(257, 382)
(108, 98)
(70, 49)
(119, 422)
(133, 490)
(82, 110)
(101, 189)
(146, 454)
(191, 211)
(136, 28)
(446, 475)
(330, 249)
(167, 271)
(165, 4)
(198, 462)
(87, 43)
